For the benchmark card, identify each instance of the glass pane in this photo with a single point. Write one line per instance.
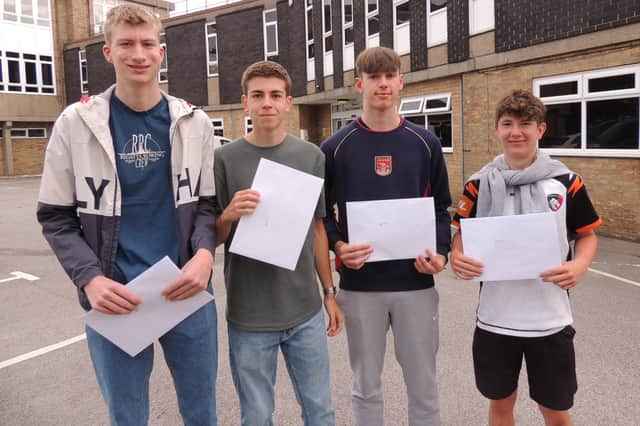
(27, 8)
(311, 51)
(347, 12)
(83, 71)
(613, 124)
(28, 56)
(10, 17)
(43, 9)
(30, 70)
(47, 90)
(211, 29)
(559, 89)
(14, 71)
(436, 103)
(19, 133)
(440, 125)
(328, 44)
(163, 76)
(327, 15)
(45, 58)
(402, 13)
(218, 132)
(310, 24)
(272, 45)
(416, 119)
(270, 16)
(563, 127)
(372, 5)
(411, 105)
(618, 82)
(213, 69)
(10, 6)
(348, 35)
(374, 25)
(47, 74)
(36, 133)
(437, 5)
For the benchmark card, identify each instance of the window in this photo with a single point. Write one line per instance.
(327, 37)
(311, 72)
(437, 22)
(26, 73)
(347, 35)
(100, 9)
(28, 133)
(372, 23)
(401, 26)
(481, 16)
(592, 113)
(84, 79)
(270, 22)
(248, 125)
(432, 112)
(212, 49)
(163, 73)
(218, 126)
(33, 12)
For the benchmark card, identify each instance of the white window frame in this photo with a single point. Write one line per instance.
(481, 5)
(84, 80)
(27, 132)
(328, 54)
(311, 62)
(104, 5)
(422, 110)
(218, 124)
(248, 125)
(431, 18)
(347, 48)
(402, 32)
(40, 61)
(165, 61)
(371, 40)
(208, 38)
(19, 16)
(583, 96)
(265, 25)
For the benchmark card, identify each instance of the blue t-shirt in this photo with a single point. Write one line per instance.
(143, 158)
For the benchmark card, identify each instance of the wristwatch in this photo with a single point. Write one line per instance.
(330, 290)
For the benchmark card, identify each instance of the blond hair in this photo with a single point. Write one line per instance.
(132, 14)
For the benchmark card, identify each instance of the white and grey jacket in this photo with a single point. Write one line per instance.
(80, 200)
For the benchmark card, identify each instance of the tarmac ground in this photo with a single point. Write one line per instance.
(46, 376)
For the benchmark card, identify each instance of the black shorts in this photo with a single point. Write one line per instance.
(551, 366)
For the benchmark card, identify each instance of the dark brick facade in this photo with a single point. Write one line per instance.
(101, 73)
(359, 30)
(240, 44)
(336, 25)
(187, 61)
(418, 36)
(520, 24)
(319, 44)
(385, 9)
(72, 75)
(292, 44)
(458, 30)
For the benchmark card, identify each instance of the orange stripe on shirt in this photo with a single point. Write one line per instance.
(465, 206)
(575, 186)
(589, 227)
(472, 189)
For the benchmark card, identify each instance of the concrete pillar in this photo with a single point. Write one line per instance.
(8, 148)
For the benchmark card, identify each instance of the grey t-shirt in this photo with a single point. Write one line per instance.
(261, 296)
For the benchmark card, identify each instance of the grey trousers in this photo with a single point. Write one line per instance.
(413, 318)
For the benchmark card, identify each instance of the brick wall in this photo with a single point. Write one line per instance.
(292, 30)
(101, 73)
(319, 42)
(458, 30)
(359, 30)
(386, 23)
(240, 44)
(72, 75)
(187, 61)
(336, 25)
(519, 24)
(418, 34)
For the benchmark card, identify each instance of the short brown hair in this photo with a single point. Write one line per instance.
(521, 104)
(266, 69)
(132, 14)
(377, 59)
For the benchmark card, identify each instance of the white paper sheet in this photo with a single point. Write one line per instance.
(276, 230)
(396, 229)
(154, 316)
(512, 247)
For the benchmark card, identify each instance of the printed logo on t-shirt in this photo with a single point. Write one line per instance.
(140, 150)
(555, 201)
(383, 165)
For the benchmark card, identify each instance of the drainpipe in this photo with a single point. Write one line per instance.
(8, 148)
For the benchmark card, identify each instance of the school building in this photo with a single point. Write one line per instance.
(459, 57)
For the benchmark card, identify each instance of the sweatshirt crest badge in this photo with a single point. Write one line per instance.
(555, 201)
(383, 165)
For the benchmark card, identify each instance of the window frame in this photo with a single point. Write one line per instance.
(165, 61)
(308, 11)
(423, 111)
(208, 37)
(84, 80)
(583, 97)
(265, 25)
(40, 61)
(248, 125)
(216, 126)
(430, 16)
(397, 28)
(474, 30)
(367, 16)
(27, 131)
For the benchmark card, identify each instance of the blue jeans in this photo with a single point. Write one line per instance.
(191, 352)
(254, 358)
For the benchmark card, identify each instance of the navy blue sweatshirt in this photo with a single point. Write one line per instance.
(364, 165)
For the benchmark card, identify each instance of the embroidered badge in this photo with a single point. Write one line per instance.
(383, 165)
(555, 201)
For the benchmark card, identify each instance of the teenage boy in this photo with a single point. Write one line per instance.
(527, 318)
(383, 156)
(269, 307)
(128, 180)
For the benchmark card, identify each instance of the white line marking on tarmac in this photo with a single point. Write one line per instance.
(17, 275)
(624, 280)
(41, 351)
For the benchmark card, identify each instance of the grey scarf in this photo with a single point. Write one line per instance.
(496, 177)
